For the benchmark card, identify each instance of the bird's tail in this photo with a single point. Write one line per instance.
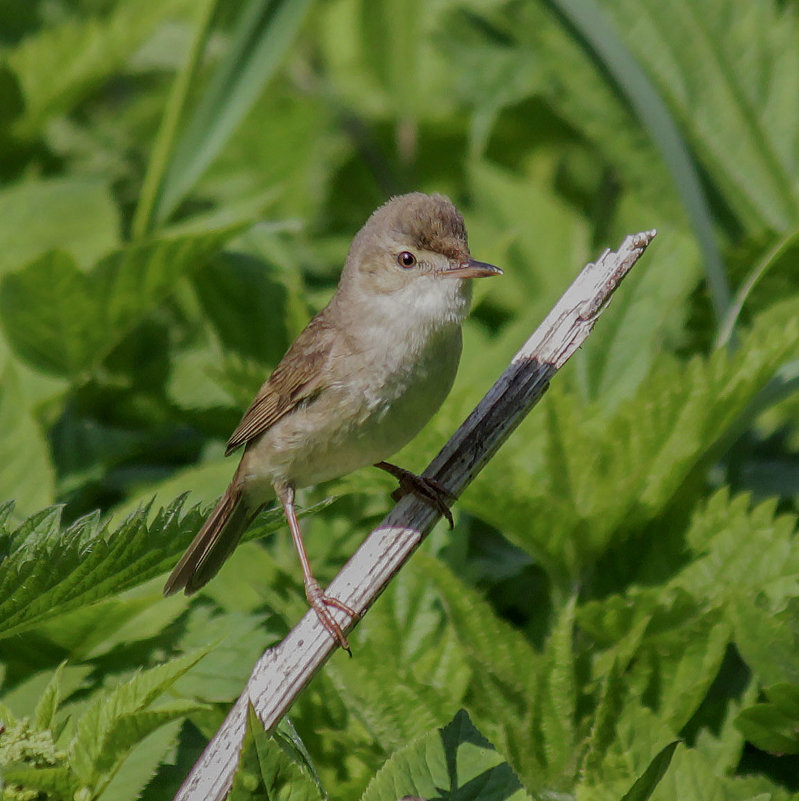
(213, 544)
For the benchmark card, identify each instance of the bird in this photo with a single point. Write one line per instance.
(358, 383)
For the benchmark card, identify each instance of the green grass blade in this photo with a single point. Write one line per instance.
(587, 17)
(786, 247)
(263, 34)
(168, 131)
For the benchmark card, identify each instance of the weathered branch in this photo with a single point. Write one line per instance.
(282, 672)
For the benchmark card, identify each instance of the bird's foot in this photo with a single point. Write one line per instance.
(424, 487)
(320, 602)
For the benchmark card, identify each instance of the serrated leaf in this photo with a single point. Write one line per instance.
(266, 772)
(50, 571)
(727, 88)
(500, 194)
(128, 730)
(603, 729)
(64, 321)
(557, 697)
(44, 714)
(394, 709)
(767, 636)
(144, 760)
(115, 720)
(236, 289)
(49, 315)
(456, 761)
(602, 477)
(493, 645)
(61, 782)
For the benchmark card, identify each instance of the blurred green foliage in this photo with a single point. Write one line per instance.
(179, 182)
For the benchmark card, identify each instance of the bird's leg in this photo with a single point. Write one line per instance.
(313, 592)
(424, 487)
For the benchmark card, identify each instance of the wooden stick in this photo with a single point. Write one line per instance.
(283, 671)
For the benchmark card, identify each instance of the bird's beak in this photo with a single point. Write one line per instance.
(471, 269)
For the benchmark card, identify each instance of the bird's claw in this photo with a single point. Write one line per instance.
(424, 487)
(319, 602)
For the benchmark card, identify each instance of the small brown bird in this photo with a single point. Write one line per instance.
(358, 383)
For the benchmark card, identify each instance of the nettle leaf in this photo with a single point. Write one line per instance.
(603, 729)
(536, 260)
(727, 87)
(142, 764)
(746, 562)
(506, 670)
(557, 697)
(737, 547)
(115, 720)
(494, 646)
(49, 314)
(647, 308)
(397, 700)
(588, 480)
(65, 321)
(48, 572)
(268, 769)
(393, 709)
(44, 714)
(58, 782)
(236, 289)
(456, 761)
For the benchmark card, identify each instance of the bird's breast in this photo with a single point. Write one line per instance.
(371, 407)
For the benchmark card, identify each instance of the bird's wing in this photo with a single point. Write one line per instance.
(299, 376)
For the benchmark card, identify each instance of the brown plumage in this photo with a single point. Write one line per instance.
(357, 384)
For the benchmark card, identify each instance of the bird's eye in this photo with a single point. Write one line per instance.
(406, 259)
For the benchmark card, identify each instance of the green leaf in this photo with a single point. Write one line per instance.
(767, 636)
(645, 785)
(235, 290)
(557, 697)
(60, 782)
(647, 308)
(392, 708)
(49, 571)
(65, 322)
(603, 729)
(138, 768)
(734, 114)
(24, 450)
(629, 74)
(541, 258)
(568, 493)
(49, 314)
(773, 726)
(44, 714)
(75, 214)
(496, 648)
(456, 762)
(62, 64)
(395, 59)
(116, 719)
(267, 770)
